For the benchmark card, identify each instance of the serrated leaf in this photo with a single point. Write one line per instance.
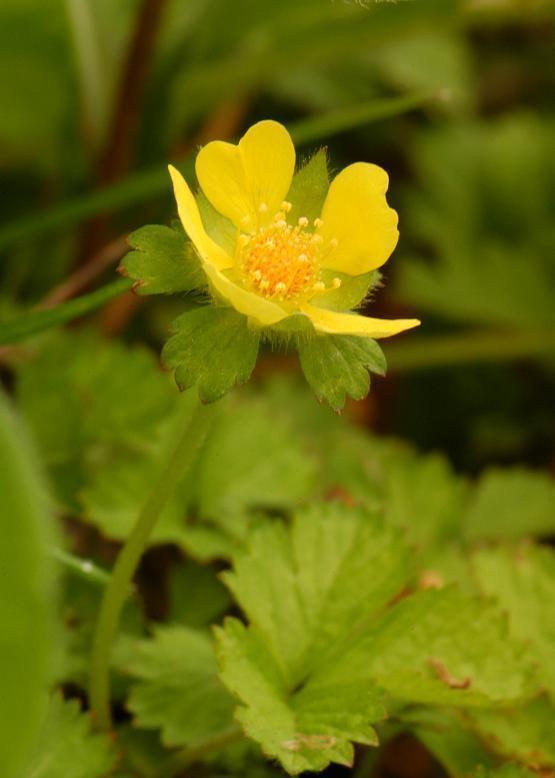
(213, 349)
(306, 591)
(68, 747)
(522, 580)
(526, 733)
(309, 188)
(162, 262)
(511, 503)
(176, 688)
(318, 643)
(337, 366)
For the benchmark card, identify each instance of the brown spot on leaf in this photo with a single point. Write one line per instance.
(444, 675)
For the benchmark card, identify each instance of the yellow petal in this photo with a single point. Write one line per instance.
(208, 250)
(248, 182)
(352, 324)
(359, 229)
(263, 312)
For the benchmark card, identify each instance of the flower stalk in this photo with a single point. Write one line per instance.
(106, 628)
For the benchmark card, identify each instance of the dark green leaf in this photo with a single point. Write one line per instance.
(213, 349)
(337, 366)
(163, 261)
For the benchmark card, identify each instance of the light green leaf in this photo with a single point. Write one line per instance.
(197, 598)
(212, 348)
(526, 733)
(523, 583)
(306, 592)
(26, 596)
(176, 688)
(443, 733)
(68, 748)
(337, 366)
(309, 188)
(322, 644)
(352, 292)
(511, 503)
(163, 261)
(220, 229)
(254, 459)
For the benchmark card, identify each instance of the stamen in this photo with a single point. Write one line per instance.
(316, 239)
(318, 223)
(336, 283)
(319, 286)
(303, 221)
(286, 206)
(263, 207)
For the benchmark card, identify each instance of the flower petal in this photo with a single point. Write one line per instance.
(238, 180)
(209, 251)
(353, 324)
(264, 312)
(358, 221)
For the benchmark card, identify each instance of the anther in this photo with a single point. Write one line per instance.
(336, 283)
(318, 223)
(280, 287)
(319, 286)
(262, 207)
(286, 206)
(303, 221)
(316, 239)
(264, 284)
(281, 223)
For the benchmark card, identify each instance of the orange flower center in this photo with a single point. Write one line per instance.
(280, 261)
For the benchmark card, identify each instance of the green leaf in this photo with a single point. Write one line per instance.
(323, 645)
(526, 733)
(309, 188)
(443, 733)
(67, 747)
(306, 591)
(352, 292)
(523, 583)
(163, 261)
(220, 229)
(506, 771)
(197, 598)
(511, 503)
(176, 688)
(337, 366)
(254, 459)
(26, 596)
(212, 349)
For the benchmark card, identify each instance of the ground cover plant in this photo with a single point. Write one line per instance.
(276, 423)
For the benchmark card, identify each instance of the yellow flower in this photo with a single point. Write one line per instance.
(276, 268)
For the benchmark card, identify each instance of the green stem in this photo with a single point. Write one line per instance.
(116, 592)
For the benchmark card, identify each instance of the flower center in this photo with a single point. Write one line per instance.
(281, 261)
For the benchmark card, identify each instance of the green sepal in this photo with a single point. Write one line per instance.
(309, 188)
(212, 348)
(163, 261)
(220, 229)
(352, 292)
(337, 366)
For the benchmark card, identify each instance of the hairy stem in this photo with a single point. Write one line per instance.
(116, 592)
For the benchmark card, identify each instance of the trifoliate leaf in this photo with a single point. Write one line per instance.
(306, 591)
(523, 583)
(526, 733)
(177, 689)
(309, 188)
(68, 747)
(163, 261)
(337, 366)
(511, 503)
(212, 348)
(320, 648)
